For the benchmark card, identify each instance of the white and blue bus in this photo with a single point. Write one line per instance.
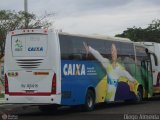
(56, 68)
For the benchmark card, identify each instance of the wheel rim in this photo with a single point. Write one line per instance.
(139, 96)
(90, 101)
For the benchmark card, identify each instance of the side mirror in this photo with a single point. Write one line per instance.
(146, 50)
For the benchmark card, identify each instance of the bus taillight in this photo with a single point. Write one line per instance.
(27, 30)
(45, 30)
(53, 90)
(6, 85)
(13, 33)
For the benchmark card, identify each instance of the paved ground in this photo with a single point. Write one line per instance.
(1, 100)
(149, 109)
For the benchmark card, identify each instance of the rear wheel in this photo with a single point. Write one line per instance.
(139, 94)
(89, 101)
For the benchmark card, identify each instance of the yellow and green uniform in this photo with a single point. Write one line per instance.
(114, 75)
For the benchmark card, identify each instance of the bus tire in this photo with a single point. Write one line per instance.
(139, 94)
(89, 101)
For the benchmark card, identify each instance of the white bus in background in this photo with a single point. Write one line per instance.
(2, 71)
(154, 48)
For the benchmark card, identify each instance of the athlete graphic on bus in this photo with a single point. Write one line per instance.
(115, 71)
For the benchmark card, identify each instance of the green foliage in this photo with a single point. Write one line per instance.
(150, 34)
(11, 20)
(2, 95)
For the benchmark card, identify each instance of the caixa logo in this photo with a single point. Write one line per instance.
(74, 69)
(35, 49)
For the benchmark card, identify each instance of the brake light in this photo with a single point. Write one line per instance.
(27, 30)
(6, 85)
(54, 87)
(45, 30)
(13, 32)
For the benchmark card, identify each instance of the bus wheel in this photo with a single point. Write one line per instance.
(139, 94)
(89, 101)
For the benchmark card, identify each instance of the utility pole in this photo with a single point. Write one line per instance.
(26, 12)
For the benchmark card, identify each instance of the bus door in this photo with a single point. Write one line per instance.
(147, 76)
(155, 73)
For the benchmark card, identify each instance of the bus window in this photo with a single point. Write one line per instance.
(34, 45)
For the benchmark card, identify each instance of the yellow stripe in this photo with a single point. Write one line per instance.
(101, 90)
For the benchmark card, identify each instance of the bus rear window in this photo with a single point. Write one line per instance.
(30, 45)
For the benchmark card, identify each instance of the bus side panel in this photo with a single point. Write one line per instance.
(77, 77)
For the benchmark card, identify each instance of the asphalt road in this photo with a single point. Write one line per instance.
(148, 109)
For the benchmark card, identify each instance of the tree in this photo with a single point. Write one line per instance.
(150, 34)
(11, 20)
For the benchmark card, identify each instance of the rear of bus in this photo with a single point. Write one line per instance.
(32, 67)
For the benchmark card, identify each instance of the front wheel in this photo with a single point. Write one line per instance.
(139, 94)
(89, 101)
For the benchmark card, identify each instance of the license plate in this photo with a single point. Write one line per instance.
(29, 86)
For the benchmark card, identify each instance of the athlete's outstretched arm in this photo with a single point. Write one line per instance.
(97, 55)
(124, 73)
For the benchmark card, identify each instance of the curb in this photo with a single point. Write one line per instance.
(2, 101)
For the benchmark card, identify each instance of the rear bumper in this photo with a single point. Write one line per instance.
(53, 99)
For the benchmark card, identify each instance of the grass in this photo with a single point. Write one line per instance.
(2, 95)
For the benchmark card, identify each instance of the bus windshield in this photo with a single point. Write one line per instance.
(34, 45)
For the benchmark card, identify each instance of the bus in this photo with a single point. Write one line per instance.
(154, 48)
(52, 68)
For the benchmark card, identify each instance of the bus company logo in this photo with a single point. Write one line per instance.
(74, 69)
(4, 116)
(35, 49)
(18, 45)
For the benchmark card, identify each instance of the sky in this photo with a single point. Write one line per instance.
(106, 17)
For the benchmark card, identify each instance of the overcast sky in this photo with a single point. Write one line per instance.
(107, 17)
